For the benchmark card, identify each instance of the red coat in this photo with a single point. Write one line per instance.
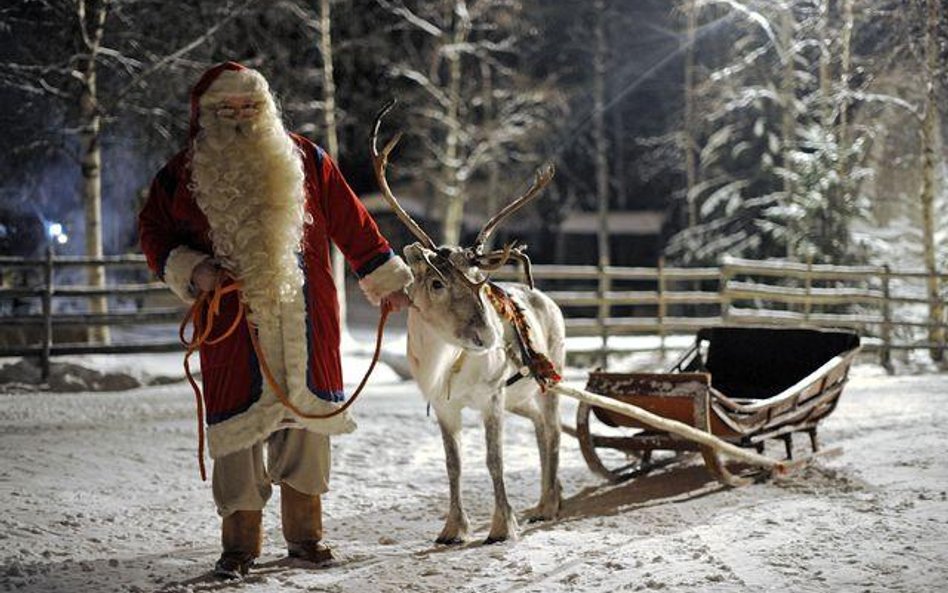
(171, 220)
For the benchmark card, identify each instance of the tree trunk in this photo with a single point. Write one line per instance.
(690, 131)
(833, 214)
(930, 136)
(90, 150)
(453, 185)
(788, 100)
(332, 140)
(845, 67)
(493, 167)
(826, 81)
(618, 152)
(601, 161)
(845, 158)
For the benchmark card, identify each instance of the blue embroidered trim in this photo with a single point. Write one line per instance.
(162, 262)
(335, 396)
(375, 263)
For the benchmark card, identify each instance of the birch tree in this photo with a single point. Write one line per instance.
(931, 136)
(690, 131)
(332, 136)
(91, 19)
(450, 51)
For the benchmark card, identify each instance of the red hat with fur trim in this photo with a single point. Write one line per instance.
(202, 86)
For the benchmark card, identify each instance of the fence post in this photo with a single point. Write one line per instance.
(885, 354)
(941, 320)
(662, 308)
(722, 290)
(602, 313)
(47, 313)
(808, 288)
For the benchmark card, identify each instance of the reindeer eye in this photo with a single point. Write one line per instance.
(437, 285)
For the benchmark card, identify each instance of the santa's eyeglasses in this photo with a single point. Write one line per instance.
(236, 109)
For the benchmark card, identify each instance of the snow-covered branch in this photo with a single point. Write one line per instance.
(399, 9)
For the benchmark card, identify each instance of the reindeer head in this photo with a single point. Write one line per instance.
(446, 293)
(447, 289)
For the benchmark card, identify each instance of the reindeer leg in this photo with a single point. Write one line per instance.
(456, 524)
(503, 525)
(540, 428)
(548, 440)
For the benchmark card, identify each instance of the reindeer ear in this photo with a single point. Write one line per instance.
(414, 254)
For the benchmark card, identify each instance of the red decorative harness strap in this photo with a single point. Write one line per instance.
(541, 367)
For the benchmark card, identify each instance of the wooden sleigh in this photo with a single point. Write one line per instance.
(744, 385)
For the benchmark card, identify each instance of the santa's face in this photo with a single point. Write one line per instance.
(238, 118)
(235, 116)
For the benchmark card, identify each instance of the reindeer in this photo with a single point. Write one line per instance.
(474, 344)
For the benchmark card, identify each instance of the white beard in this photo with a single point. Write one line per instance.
(247, 178)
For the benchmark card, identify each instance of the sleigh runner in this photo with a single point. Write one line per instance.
(743, 385)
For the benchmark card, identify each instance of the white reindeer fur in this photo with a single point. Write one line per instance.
(479, 383)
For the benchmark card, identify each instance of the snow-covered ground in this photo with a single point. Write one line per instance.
(101, 493)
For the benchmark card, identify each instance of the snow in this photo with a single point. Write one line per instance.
(102, 494)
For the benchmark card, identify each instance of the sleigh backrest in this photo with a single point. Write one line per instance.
(758, 362)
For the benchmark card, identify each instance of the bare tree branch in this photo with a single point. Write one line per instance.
(231, 14)
(411, 18)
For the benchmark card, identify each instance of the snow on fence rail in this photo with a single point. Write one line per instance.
(606, 302)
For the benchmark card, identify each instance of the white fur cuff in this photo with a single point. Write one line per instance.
(391, 276)
(178, 267)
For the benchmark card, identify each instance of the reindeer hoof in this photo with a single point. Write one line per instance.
(542, 516)
(510, 536)
(450, 541)
(538, 518)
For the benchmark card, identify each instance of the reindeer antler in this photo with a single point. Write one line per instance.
(379, 163)
(543, 177)
(475, 255)
(498, 258)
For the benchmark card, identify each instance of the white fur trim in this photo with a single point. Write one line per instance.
(265, 417)
(178, 268)
(391, 276)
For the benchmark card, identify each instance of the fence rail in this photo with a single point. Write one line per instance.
(608, 302)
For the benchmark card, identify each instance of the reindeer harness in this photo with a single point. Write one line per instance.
(535, 364)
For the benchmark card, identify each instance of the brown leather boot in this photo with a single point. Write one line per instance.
(242, 539)
(302, 516)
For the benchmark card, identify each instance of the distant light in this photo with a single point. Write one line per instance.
(61, 239)
(55, 229)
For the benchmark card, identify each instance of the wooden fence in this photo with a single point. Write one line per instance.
(14, 295)
(888, 308)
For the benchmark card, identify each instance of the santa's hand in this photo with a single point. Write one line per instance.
(396, 301)
(205, 276)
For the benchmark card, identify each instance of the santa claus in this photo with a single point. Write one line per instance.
(247, 202)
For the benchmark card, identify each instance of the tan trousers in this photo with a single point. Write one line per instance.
(242, 482)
